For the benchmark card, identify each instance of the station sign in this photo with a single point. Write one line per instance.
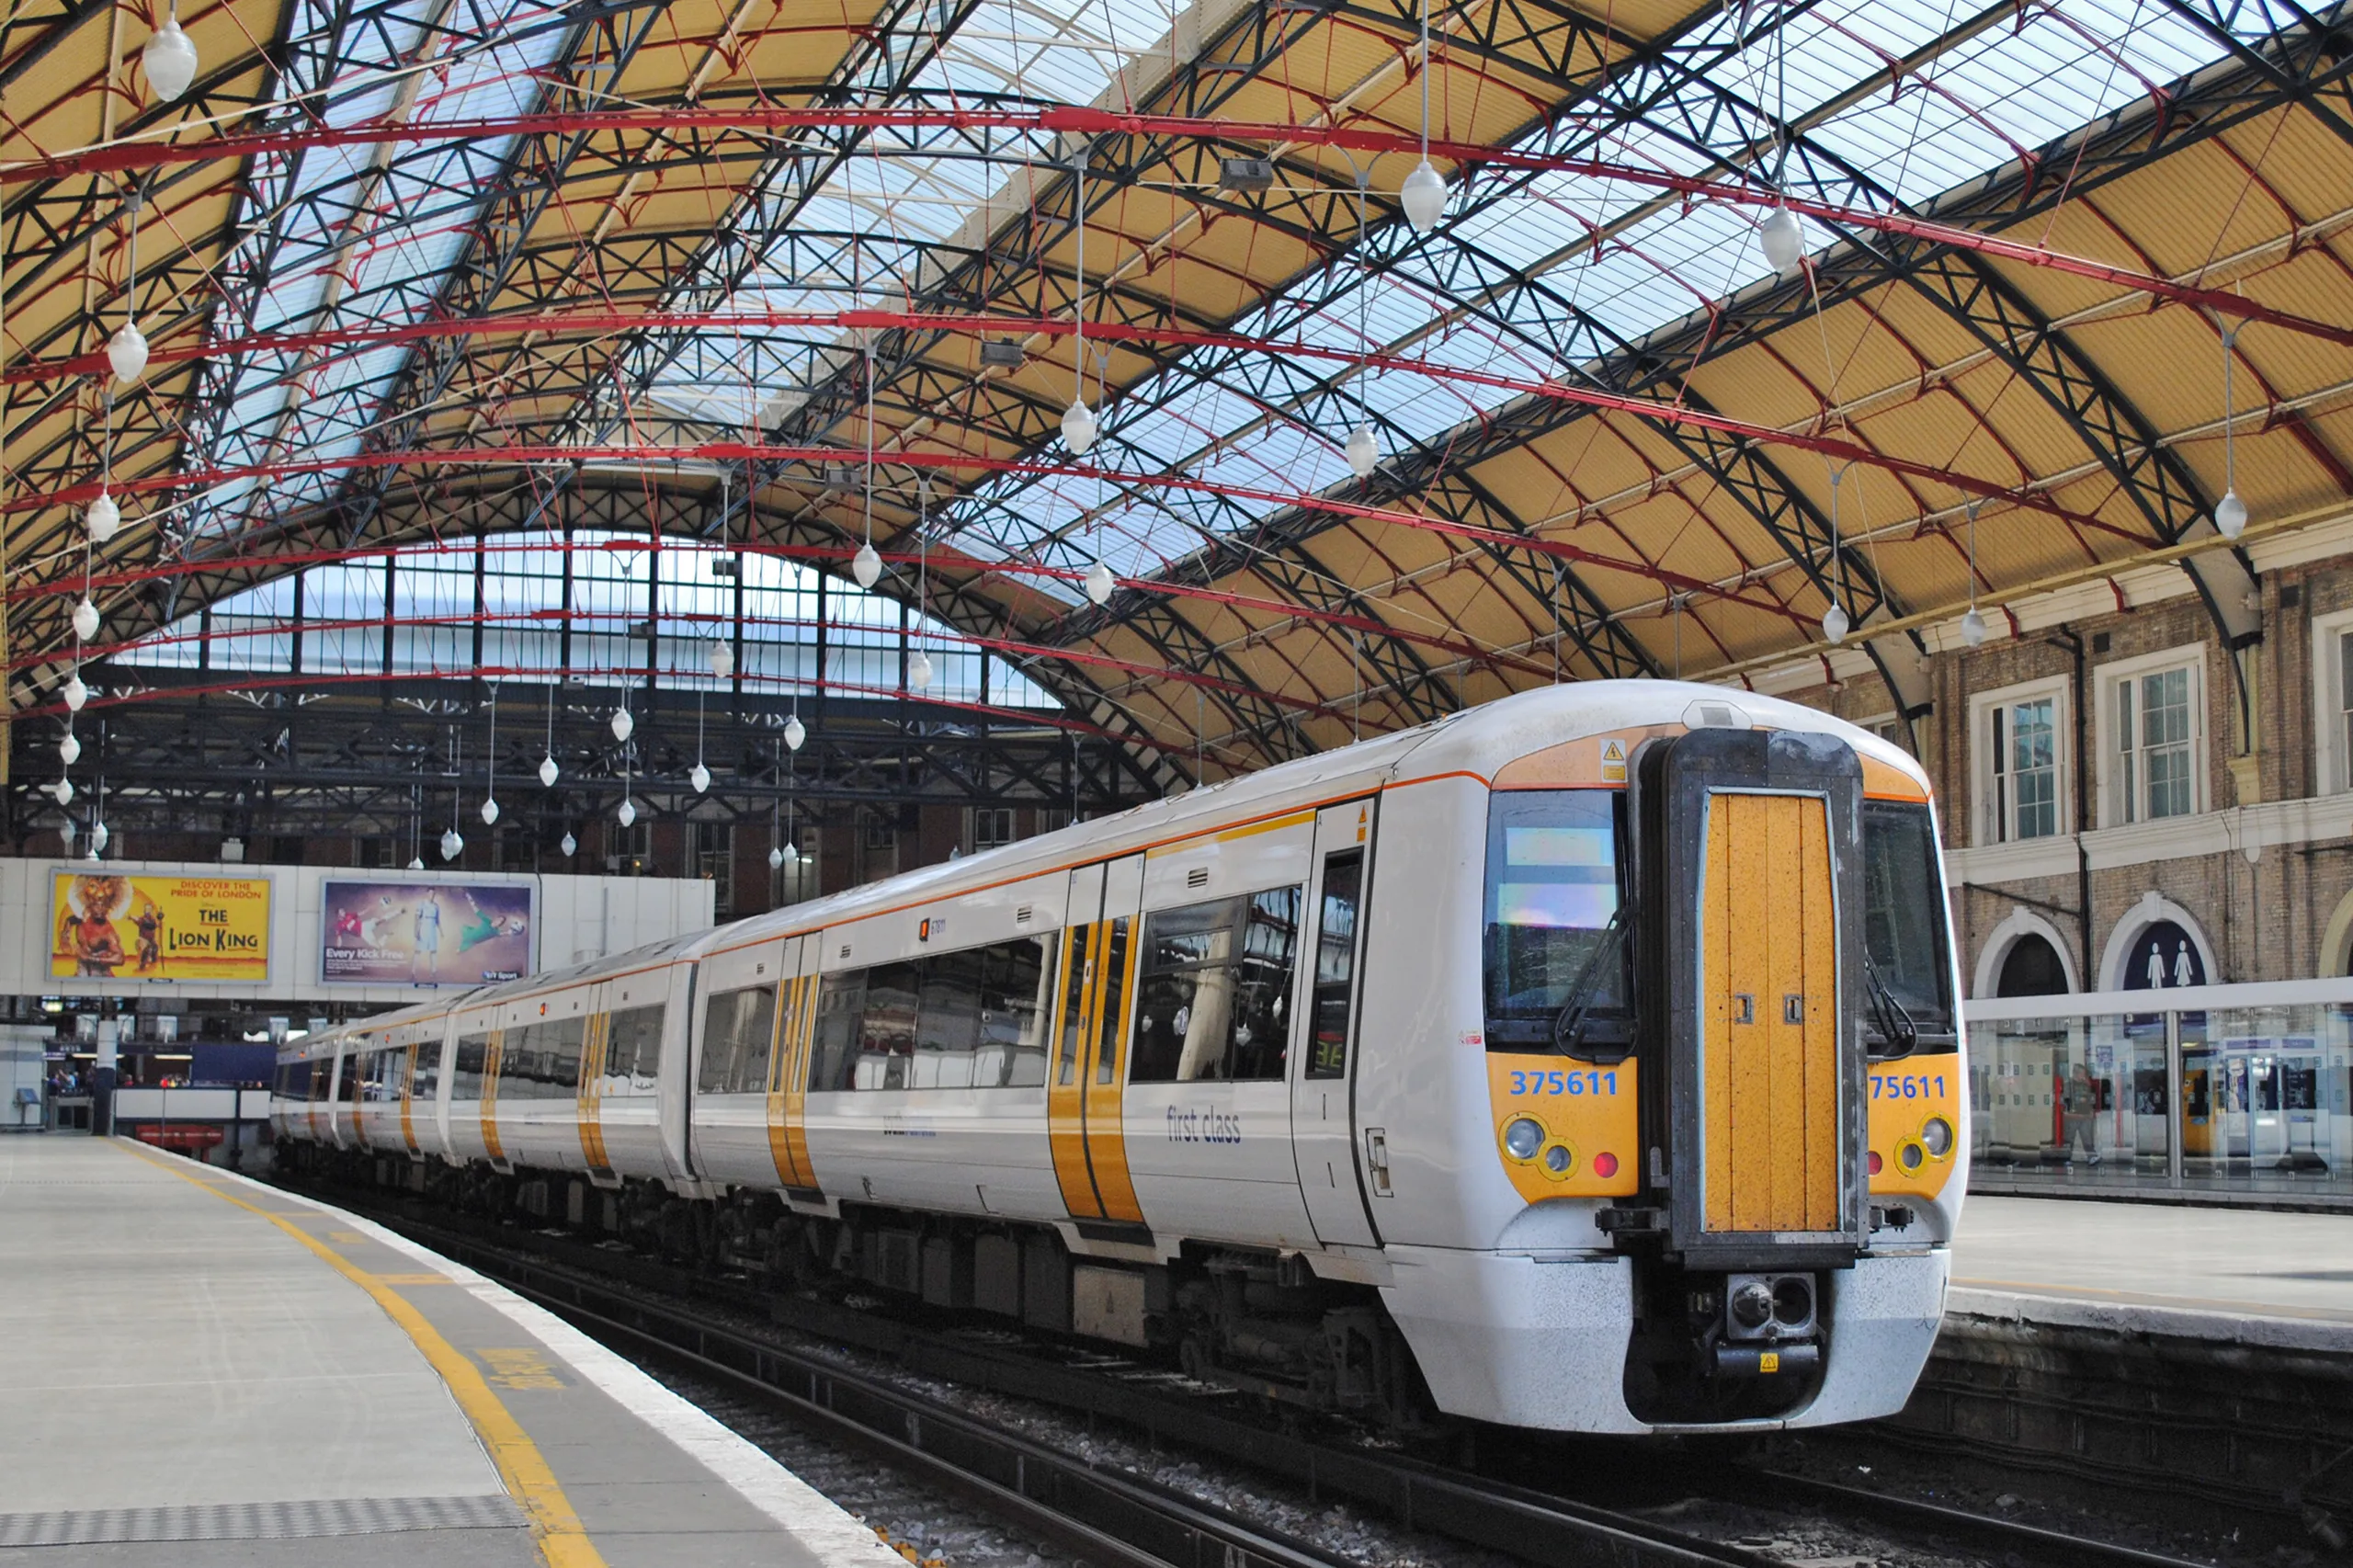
(427, 933)
(117, 926)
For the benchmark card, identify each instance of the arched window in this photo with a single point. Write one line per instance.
(2031, 967)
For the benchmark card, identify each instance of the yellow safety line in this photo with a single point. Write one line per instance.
(561, 1539)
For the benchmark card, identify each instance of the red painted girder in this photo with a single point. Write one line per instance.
(124, 156)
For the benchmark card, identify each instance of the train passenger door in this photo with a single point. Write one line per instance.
(788, 1082)
(1324, 1077)
(1085, 1081)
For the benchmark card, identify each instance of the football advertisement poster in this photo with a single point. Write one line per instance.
(425, 933)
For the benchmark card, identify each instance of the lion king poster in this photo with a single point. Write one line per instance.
(114, 925)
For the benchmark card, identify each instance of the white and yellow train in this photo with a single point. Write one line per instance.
(1587, 1061)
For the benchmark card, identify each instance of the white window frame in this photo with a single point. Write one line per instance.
(1986, 831)
(2332, 763)
(2115, 810)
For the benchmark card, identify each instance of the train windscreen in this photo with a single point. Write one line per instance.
(1904, 920)
(1552, 929)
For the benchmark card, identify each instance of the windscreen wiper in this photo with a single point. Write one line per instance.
(1578, 1013)
(1898, 1035)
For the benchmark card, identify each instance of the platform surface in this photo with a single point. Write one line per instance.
(202, 1371)
(2137, 1262)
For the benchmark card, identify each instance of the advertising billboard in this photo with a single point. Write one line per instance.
(402, 933)
(113, 925)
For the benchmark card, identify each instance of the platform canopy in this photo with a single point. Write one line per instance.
(1723, 315)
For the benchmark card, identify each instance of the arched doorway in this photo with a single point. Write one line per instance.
(2031, 967)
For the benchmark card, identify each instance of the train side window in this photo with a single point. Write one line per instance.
(841, 1005)
(886, 1035)
(738, 1033)
(1017, 983)
(542, 1061)
(947, 1020)
(1336, 965)
(632, 1053)
(294, 1080)
(466, 1071)
(1214, 998)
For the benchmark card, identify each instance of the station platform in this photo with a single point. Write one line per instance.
(2254, 1276)
(201, 1370)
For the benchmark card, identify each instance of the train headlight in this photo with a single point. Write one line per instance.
(1752, 1304)
(1558, 1161)
(1910, 1155)
(1522, 1137)
(1936, 1137)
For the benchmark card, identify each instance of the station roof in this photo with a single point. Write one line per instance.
(775, 276)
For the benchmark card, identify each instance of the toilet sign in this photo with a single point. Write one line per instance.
(1613, 762)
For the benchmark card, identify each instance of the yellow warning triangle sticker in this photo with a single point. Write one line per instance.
(1613, 750)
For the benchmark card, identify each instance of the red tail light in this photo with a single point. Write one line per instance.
(1604, 1163)
(1875, 1161)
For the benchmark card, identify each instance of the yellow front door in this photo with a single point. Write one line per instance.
(1086, 1080)
(1769, 962)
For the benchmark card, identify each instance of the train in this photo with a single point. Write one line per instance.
(1586, 1061)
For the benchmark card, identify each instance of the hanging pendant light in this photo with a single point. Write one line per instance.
(451, 844)
(866, 565)
(569, 845)
(549, 770)
(65, 832)
(791, 850)
(1783, 238)
(2230, 515)
(86, 619)
(102, 519)
(699, 777)
(1835, 624)
(127, 352)
(1972, 629)
(795, 732)
(1364, 451)
(723, 660)
(628, 813)
(100, 837)
(489, 811)
(776, 859)
(170, 59)
(1079, 428)
(62, 791)
(918, 670)
(69, 750)
(75, 693)
(1101, 584)
(1424, 196)
(623, 725)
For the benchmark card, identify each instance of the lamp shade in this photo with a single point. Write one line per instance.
(918, 670)
(1835, 624)
(75, 693)
(623, 725)
(1972, 628)
(170, 59)
(628, 813)
(451, 844)
(1783, 238)
(69, 750)
(866, 565)
(549, 771)
(127, 352)
(795, 732)
(723, 660)
(570, 846)
(776, 859)
(1364, 451)
(489, 811)
(85, 620)
(1079, 428)
(2230, 515)
(103, 518)
(699, 777)
(1424, 196)
(1100, 582)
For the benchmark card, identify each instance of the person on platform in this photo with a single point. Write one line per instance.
(2078, 1101)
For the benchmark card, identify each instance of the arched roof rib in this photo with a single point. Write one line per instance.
(1934, 366)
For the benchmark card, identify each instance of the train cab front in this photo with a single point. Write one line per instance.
(1719, 1002)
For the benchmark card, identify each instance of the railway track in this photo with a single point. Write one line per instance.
(1120, 1520)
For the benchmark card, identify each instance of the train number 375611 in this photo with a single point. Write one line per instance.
(1558, 1081)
